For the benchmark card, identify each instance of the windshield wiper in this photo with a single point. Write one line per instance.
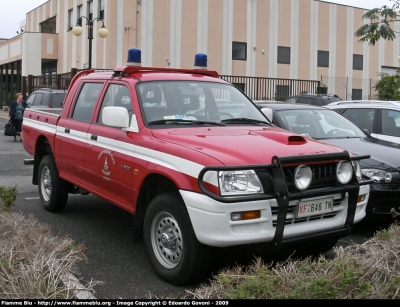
(244, 120)
(340, 137)
(184, 121)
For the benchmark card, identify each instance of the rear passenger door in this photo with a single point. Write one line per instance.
(389, 125)
(73, 133)
(109, 151)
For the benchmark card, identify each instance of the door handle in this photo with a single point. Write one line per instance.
(93, 137)
(66, 130)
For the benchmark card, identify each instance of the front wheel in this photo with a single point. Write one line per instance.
(171, 244)
(53, 190)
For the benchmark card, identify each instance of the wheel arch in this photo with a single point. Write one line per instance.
(152, 185)
(42, 149)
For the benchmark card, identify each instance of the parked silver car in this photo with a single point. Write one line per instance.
(382, 119)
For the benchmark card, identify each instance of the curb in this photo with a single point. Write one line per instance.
(72, 283)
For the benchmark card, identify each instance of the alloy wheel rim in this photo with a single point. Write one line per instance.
(46, 184)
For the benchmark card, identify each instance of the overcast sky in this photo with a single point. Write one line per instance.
(12, 12)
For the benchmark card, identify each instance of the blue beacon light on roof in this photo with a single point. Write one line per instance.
(134, 57)
(200, 61)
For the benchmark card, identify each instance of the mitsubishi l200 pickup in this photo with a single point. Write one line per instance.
(195, 161)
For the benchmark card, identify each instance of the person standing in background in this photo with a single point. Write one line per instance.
(16, 114)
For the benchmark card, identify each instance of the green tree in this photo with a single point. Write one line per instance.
(380, 25)
(388, 87)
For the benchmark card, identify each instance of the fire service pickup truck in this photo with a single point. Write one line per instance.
(195, 161)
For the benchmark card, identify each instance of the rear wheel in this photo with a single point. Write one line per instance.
(53, 190)
(171, 244)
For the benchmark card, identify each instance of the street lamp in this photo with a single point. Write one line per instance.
(77, 31)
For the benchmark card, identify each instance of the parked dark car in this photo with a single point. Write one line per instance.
(328, 126)
(313, 99)
(46, 98)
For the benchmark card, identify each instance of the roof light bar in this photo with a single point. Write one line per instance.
(200, 61)
(134, 57)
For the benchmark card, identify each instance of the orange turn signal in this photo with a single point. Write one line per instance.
(360, 198)
(247, 215)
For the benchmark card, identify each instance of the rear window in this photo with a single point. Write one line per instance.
(57, 100)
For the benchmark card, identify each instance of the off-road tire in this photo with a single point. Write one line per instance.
(53, 190)
(187, 260)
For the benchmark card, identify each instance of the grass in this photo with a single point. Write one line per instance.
(32, 261)
(360, 271)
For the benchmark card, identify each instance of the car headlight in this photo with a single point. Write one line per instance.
(239, 183)
(377, 175)
(302, 177)
(357, 169)
(344, 172)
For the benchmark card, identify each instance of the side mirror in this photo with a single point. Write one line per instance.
(115, 117)
(367, 131)
(268, 113)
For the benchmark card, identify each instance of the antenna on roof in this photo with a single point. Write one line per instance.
(168, 62)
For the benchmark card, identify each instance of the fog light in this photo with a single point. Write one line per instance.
(344, 172)
(302, 177)
(247, 215)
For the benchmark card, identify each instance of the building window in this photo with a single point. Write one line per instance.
(356, 94)
(101, 9)
(79, 14)
(323, 58)
(239, 51)
(283, 55)
(358, 61)
(70, 21)
(90, 10)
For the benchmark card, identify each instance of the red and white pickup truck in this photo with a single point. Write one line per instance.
(195, 161)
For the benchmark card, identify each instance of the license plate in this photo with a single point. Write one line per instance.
(314, 207)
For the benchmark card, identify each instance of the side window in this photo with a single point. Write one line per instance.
(117, 95)
(38, 99)
(391, 122)
(86, 101)
(291, 100)
(364, 118)
(31, 99)
(306, 100)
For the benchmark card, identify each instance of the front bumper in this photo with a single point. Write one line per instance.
(213, 225)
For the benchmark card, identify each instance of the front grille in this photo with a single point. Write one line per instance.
(324, 175)
(291, 213)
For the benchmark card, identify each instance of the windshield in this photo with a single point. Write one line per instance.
(185, 103)
(318, 124)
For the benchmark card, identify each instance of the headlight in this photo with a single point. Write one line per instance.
(239, 182)
(357, 169)
(377, 175)
(302, 177)
(344, 172)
